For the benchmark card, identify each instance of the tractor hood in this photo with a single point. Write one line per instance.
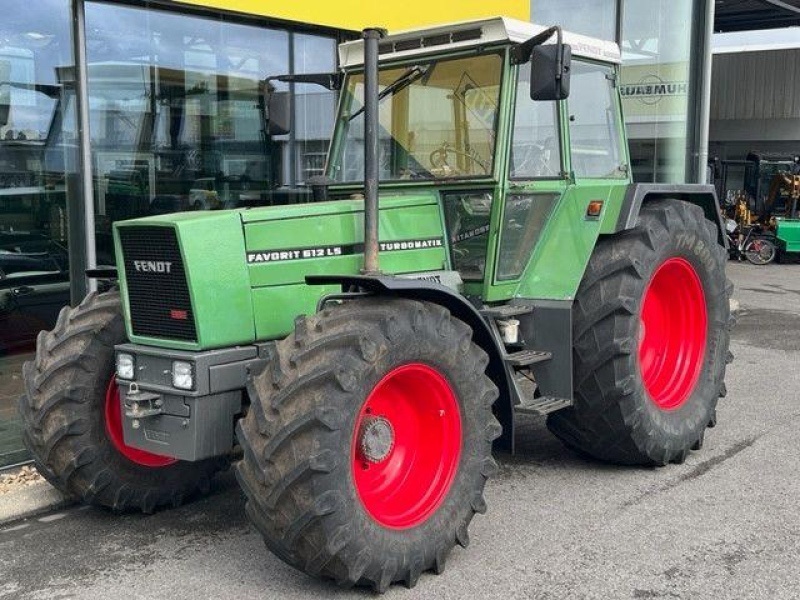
(204, 280)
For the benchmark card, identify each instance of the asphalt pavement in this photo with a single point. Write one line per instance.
(725, 524)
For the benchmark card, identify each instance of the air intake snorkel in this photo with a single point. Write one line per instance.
(371, 149)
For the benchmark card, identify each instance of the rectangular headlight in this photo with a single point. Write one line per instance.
(182, 375)
(125, 366)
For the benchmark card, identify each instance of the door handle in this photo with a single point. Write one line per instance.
(23, 290)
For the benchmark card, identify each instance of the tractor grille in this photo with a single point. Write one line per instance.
(158, 295)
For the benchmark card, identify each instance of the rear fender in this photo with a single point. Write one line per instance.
(461, 309)
(704, 196)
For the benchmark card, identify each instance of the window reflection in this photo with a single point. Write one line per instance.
(656, 41)
(314, 106)
(595, 18)
(656, 49)
(176, 108)
(37, 181)
(185, 115)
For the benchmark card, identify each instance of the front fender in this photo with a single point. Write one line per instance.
(460, 308)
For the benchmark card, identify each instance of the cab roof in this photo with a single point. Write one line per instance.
(467, 34)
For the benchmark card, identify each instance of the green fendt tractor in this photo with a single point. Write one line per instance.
(476, 250)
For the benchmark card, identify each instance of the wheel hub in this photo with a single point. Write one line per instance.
(376, 439)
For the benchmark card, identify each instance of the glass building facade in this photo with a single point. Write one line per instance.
(663, 44)
(174, 108)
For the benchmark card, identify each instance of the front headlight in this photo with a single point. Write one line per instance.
(125, 366)
(182, 375)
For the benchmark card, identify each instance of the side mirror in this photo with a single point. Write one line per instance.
(278, 113)
(550, 72)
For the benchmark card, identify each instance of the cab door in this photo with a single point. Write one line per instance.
(550, 224)
(535, 184)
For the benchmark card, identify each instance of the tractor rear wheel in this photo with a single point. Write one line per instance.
(368, 442)
(650, 340)
(72, 418)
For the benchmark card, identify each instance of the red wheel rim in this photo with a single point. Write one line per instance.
(406, 486)
(114, 430)
(672, 335)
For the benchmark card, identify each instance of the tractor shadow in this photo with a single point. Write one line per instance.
(536, 449)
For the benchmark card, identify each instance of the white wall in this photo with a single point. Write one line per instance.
(755, 100)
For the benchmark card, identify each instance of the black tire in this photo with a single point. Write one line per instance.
(614, 417)
(297, 437)
(63, 412)
(760, 251)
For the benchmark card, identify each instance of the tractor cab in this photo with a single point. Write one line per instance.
(462, 120)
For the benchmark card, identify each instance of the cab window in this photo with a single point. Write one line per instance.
(535, 149)
(594, 123)
(437, 120)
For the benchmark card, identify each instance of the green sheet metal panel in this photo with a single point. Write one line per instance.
(212, 248)
(789, 234)
(282, 252)
(559, 259)
(227, 254)
(277, 307)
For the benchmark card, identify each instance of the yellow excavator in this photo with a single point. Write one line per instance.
(787, 226)
(786, 185)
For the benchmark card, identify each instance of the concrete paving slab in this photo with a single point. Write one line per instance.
(29, 501)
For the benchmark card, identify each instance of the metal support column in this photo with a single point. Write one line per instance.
(292, 179)
(699, 113)
(83, 240)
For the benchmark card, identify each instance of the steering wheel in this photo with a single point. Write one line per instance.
(536, 159)
(438, 159)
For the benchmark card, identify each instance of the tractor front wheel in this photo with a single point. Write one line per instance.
(368, 442)
(72, 418)
(650, 340)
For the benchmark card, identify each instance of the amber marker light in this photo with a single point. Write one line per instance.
(594, 209)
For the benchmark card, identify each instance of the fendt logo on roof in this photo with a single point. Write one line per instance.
(152, 266)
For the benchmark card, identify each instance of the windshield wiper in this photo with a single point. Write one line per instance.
(411, 75)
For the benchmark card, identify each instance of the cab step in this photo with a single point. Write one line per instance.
(541, 406)
(505, 311)
(525, 358)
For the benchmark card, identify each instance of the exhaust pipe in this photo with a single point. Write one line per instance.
(371, 150)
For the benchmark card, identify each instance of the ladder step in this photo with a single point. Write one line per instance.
(542, 406)
(524, 358)
(505, 311)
